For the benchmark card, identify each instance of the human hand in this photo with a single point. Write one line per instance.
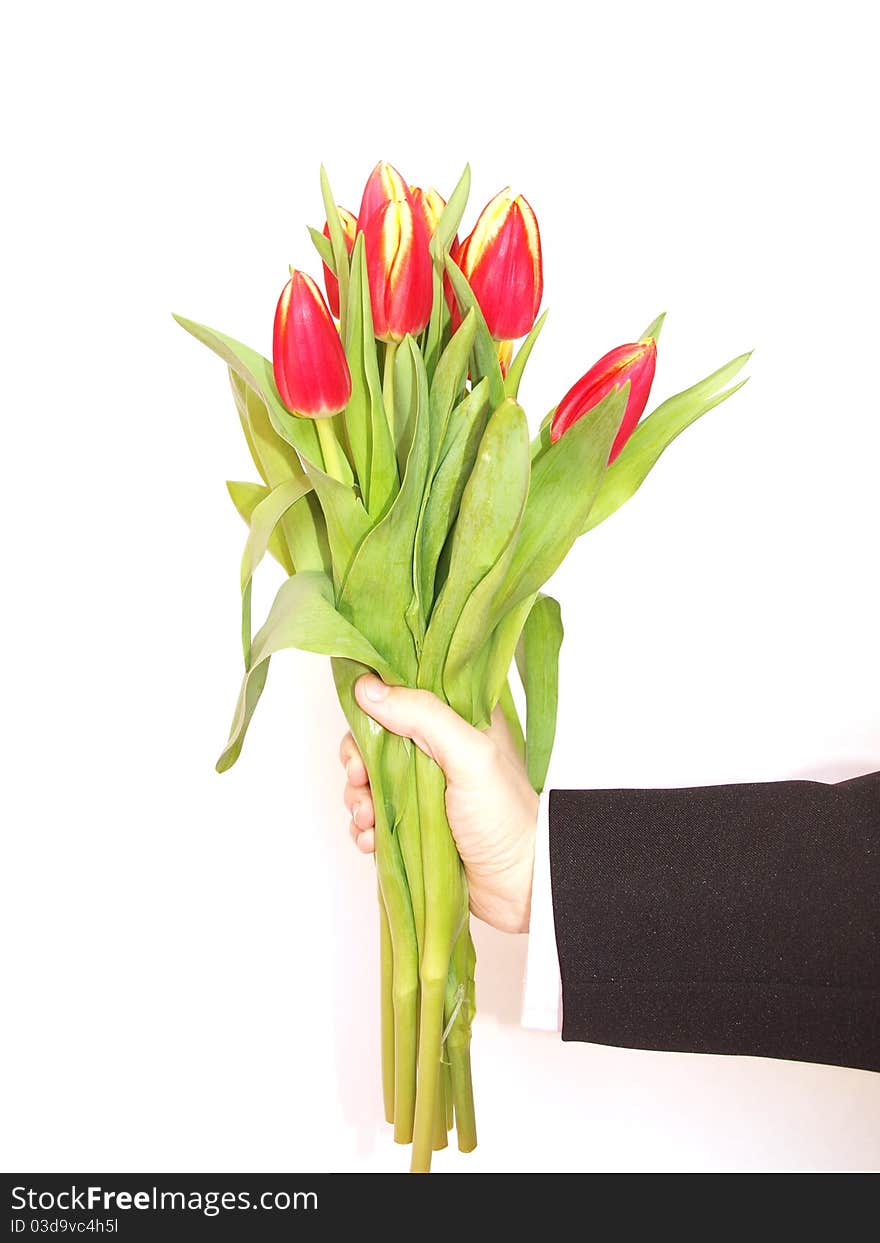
(491, 806)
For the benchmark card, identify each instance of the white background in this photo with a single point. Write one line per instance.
(191, 959)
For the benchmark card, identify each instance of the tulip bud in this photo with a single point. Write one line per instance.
(384, 185)
(431, 204)
(331, 284)
(399, 270)
(505, 356)
(502, 262)
(311, 372)
(636, 363)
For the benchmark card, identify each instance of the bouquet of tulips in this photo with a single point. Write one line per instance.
(417, 522)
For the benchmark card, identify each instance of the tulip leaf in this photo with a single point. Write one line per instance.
(488, 518)
(263, 523)
(256, 372)
(384, 560)
(565, 480)
(492, 667)
(448, 382)
(478, 614)
(653, 434)
(302, 529)
(537, 658)
(485, 360)
(369, 435)
(346, 519)
(465, 429)
(302, 616)
(246, 497)
(450, 219)
(324, 247)
(514, 375)
(337, 243)
(511, 717)
(653, 329)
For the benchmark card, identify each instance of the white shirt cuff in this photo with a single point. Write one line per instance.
(542, 995)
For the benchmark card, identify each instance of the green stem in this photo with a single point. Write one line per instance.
(444, 894)
(447, 1089)
(395, 896)
(386, 964)
(388, 387)
(335, 463)
(400, 759)
(440, 1139)
(458, 1042)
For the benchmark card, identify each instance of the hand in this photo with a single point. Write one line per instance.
(491, 806)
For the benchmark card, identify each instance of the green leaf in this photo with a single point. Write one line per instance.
(302, 616)
(517, 367)
(347, 520)
(337, 243)
(450, 219)
(565, 480)
(466, 425)
(485, 361)
(492, 668)
(324, 247)
(256, 372)
(383, 564)
(303, 529)
(264, 519)
(511, 717)
(537, 658)
(653, 329)
(372, 447)
(627, 472)
(246, 497)
(488, 518)
(448, 382)
(477, 617)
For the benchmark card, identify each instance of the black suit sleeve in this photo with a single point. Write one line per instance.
(724, 919)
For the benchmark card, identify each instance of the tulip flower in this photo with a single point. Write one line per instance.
(384, 185)
(505, 356)
(502, 262)
(636, 363)
(431, 204)
(399, 270)
(311, 372)
(331, 284)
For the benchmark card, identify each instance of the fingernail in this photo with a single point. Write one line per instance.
(356, 811)
(373, 689)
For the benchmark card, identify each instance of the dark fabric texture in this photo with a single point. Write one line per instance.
(738, 919)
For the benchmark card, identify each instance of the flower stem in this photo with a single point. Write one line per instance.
(388, 387)
(444, 894)
(386, 964)
(440, 1140)
(335, 464)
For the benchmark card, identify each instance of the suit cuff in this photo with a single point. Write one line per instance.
(542, 994)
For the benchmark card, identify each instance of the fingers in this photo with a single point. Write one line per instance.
(458, 748)
(357, 796)
(355, 769)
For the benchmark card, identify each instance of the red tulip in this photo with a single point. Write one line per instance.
(431, 204)
(399, 270)
(311, 372)
(331, 284)
(384, 185)
(502, 262)
(636, 363)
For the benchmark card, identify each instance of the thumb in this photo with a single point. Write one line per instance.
(432, 725)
